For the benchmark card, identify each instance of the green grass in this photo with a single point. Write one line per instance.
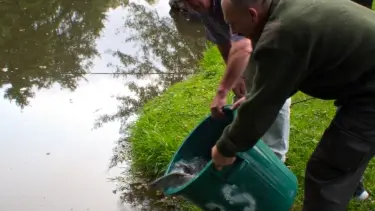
(167, 119)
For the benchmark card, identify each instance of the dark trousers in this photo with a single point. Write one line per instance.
(335, 168)
(365, 3)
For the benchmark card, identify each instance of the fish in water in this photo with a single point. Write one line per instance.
(182, 172)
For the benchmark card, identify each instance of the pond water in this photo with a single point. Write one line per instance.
(63, 65)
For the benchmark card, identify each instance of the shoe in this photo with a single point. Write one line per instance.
(361, 194)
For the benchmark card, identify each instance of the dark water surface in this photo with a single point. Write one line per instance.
(56, 63)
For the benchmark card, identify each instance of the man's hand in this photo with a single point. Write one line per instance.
(239, 88)
(217, 105)
(219, 160)
(238, 103)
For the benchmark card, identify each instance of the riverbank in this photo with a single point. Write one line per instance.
(166, 120)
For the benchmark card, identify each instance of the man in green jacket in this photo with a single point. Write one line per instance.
(325, 50)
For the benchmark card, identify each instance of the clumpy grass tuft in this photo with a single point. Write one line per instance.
(166, 120)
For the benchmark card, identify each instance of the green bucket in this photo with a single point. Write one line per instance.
(257, 181)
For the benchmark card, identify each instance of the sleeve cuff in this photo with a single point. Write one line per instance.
(225, 146)
(236, 37)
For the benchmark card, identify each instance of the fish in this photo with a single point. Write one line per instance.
(181, 173)
(172, 180)
(192, 167)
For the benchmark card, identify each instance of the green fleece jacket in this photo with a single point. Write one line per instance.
(323, 48)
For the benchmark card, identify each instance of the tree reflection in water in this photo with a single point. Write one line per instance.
(46, 42)
(171, 48)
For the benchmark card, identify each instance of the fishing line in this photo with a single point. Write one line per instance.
(162, 73)
(302, 101)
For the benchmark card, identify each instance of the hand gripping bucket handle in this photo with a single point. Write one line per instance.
(226, 171)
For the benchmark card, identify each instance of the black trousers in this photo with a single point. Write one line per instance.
(365, 3)
(335, 168)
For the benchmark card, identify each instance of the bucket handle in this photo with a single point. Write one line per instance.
(229, 111)
(226, 171)
(227, 108)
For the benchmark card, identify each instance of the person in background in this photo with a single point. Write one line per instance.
(304, 46)
(235, 51)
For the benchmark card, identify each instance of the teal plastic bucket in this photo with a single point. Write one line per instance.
(257, 181)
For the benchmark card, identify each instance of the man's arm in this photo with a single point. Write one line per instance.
(236, 55)
(277, 75)
(224, 49)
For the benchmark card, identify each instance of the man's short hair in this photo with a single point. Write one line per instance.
(247, 3)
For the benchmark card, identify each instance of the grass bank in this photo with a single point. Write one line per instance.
(167, 119)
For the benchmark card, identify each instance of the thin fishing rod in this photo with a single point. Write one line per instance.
(302, 101)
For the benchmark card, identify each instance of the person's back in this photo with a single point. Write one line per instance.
(334, 43)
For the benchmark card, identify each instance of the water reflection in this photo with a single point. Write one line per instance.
(44, 42)
(46, 45)
(50, 158)
(170, 49)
